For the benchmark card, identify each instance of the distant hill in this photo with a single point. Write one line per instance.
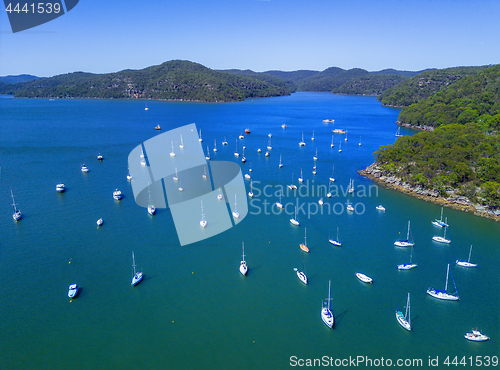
(424, 85)
(173, 80)
(19, 78)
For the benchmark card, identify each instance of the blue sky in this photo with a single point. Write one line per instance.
(109, 36)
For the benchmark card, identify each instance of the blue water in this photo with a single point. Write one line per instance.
(194, 309)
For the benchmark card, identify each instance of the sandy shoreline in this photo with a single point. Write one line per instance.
(458, 203)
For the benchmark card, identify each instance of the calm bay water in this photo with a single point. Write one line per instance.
(194, 309)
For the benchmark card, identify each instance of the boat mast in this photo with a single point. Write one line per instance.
(470, 251)
(408, 233)
(407, 315)
(447, 272)
(329, 284)
(133, 262)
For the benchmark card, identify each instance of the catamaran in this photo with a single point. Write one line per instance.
(440, 222)
(326, 314)
(442, 239)
(404, 320)
(136, 279)
(203, 222)
(466, 263)
(408, 266)
(336, 242)
(406, 242)
(304, 246)
(442, 294)
(243, 264)
(294, 220)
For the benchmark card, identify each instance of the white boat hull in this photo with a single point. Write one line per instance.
(336, 243)
(407, 266)
(137, 278)
(243, 268)
(440, 239)
(302, 277)
(327, 317)
(402, 321)
(364, 278)
(441, 295)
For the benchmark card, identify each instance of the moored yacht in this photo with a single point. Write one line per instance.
(117, 194)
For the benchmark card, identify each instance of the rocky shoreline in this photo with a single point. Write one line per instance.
(420, 128)
(460, 203)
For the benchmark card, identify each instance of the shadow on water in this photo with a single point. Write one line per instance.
(340, 317)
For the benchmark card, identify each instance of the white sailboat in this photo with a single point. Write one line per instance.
(99, 222)
(224, 142)
(406, 242)
(312, 138)
(301, 179)
(215, 146)
(176, 177)
(17, 215)
(73, 290)
(315, 158)
(269, 147)
(440, 222)
(279, 204)
(408, 266)
(181, 145)
(301, 274)
(281, 164)
(85, 168)
(380, 208)
(350, 208)
(292, 186)
(204, 176)
(332, 178)
(340, 147)
(243, 160)
(329, 194)
(294, 220)
(336, 242)
(267, 154)
(443, 294)
(345, 136)
(302, 142)
(442, 239)
(359, 141)
(398, 132)
(243, 264)
(404, 320)
(320, 201)
(219, 196)
(326, 313)
(151, 206)
(236, 154)
(207, 157)
(172, 154)
(466, 263)
(331, 145)
(235, 212)
(200, 139)
(250, 194)
(203, 222)
(136, 279)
